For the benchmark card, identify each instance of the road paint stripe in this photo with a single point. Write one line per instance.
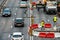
(9, 36)
(11, 26)
(13, 19)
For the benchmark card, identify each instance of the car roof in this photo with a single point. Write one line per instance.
(17, 33)
(6, 9)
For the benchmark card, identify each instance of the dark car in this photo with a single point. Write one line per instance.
(6, 12)
(19, 22)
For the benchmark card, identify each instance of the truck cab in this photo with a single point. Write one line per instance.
(51, 7)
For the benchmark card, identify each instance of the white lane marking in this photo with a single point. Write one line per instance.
(48, 20)
(11, 26)
(13, 19)
(15, 13)
(9, 36)
(16, 8)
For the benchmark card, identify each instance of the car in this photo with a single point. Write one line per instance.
(17, 36)
(6, 12)
(19, 22)
(23, 4)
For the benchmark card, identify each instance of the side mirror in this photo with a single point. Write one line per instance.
(10, 35)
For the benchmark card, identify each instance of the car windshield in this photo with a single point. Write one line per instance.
(19, 20)
(17, 35)
(51, 4)
(6, 11)
(23, 2)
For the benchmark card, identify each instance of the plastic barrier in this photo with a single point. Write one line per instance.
(47, 25)
(42, 35)
(34, 26)
(50, 35)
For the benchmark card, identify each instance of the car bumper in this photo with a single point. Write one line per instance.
(23, 5)
(6, 15)
(19, 25)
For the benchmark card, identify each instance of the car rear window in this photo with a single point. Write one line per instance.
(23, 2)
(19, 20)
(17, 35)
(6, 11)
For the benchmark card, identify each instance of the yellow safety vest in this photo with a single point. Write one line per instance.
(42, 24)
(55, 19)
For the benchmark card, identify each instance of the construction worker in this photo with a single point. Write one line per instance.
(42, 24)
(55, 19)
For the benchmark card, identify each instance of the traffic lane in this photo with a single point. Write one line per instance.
(20, 14)
(8, 28)
(9, 3)
(24, 29)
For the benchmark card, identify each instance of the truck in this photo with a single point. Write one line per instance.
(51, 7)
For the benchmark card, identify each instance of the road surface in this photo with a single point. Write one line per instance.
(6, 23)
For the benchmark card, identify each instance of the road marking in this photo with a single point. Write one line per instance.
(9, 36)
(15, 13)
(16, 8)
(13, 19)
(48, 20)
(11, 26)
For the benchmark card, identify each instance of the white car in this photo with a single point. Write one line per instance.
(23, 4)
(17, 36)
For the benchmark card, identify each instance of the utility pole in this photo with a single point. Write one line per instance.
(31, 19)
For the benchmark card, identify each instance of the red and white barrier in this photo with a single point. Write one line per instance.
(46, 34)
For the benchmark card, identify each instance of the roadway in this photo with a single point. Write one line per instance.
(6, 23)
(1, 1)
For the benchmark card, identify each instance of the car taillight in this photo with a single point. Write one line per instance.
(12, 39)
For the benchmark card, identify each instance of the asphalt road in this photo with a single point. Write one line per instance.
(1, 1)
(6, 23)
